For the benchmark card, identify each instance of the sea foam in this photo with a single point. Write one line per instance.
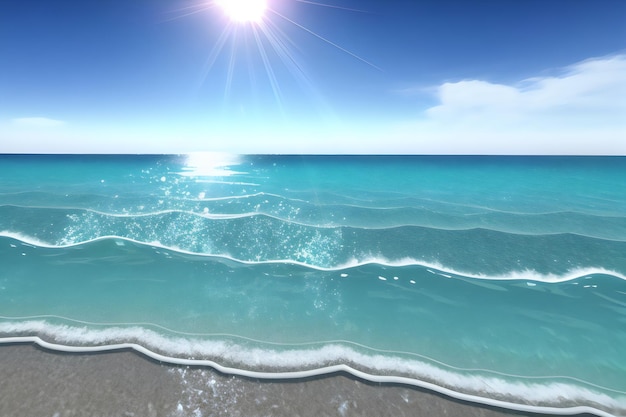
(435, 268)
(553, 394)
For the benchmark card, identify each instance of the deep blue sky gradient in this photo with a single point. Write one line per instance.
(140, 65)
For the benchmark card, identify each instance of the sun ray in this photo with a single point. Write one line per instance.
(227, 34)
(332, 6)
(195, 9)
(268, 68)
(263, 35)
(277, 38)
(231, 65)
(324, 39)
(282, 45)
(251, 73)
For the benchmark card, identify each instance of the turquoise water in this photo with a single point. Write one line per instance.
(501, 278)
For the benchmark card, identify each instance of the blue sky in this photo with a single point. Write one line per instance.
(343, 76)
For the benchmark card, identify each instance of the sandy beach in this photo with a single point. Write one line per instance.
(35, 382)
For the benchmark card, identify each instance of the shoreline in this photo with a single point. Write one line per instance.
(37, 381)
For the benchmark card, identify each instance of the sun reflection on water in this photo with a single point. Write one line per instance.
(211, 164)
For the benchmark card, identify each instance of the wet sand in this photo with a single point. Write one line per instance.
(36, 382)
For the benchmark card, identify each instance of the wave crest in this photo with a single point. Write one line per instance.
(98, 210)
(432, 267)
(515, 392)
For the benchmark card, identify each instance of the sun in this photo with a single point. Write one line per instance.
(259, 31)
(243, 11)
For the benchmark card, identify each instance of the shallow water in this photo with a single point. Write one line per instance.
(496, 279)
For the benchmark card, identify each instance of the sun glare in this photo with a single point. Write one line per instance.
(261, 25)
(243, 11)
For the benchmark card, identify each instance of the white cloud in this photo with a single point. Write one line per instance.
(580, 111)
(38, 122)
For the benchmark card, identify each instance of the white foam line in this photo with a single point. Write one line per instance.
(212, 216)
(115, 214)
(485, 210)
(232, 197)
(302, 344)
(351, 264)
(516, 213)
(308, 374)
(548, 213)
(333, 224)
(283, 197)
(207, 215)
(202, 181)
(231, 216)
(525, 275)
(26, 240)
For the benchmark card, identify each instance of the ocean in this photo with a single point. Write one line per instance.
(492, 280)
